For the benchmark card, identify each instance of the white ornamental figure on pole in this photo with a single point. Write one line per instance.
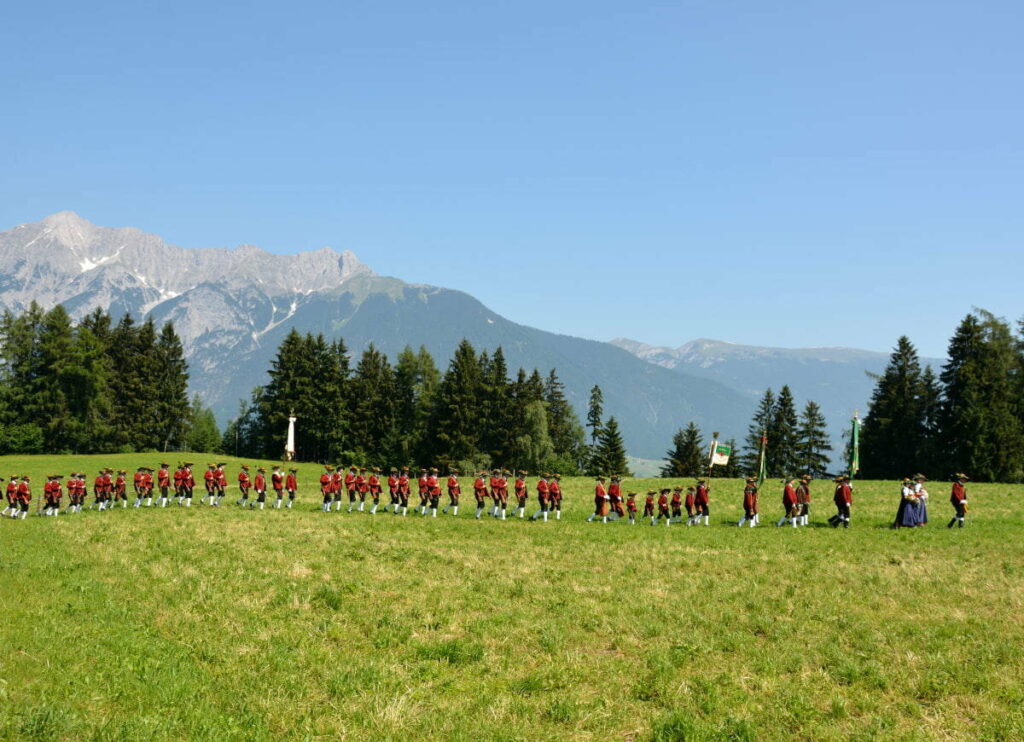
(289, 446)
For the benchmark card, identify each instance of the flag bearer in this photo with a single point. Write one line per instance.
(958, 498)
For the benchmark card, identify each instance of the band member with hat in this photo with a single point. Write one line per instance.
(663, 511)
(543, 496)
(522, 493)
(260, 485)
(701, 502)
(555, 495)
(326, 491)
(601, 501)
(803, 499)
(749, 503)
(220, 482)
(690, 503)
(404, 489)
(958, 498)
(393, 490)
(188, 484)
(631, 507)
(677, 504)
(24, 497)
(291, 485)
(244, 483)
(454, 490)
(649, 505)
(373, 485)
(843, 498)
(209, 482)
(434, 491)
(277, 484)
(616, 510)
(790, 506)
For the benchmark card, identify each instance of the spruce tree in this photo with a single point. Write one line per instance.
(456, 421)
(782, 436)
(610, 452)
(169, 391)
(686, 458)
(567, 436)
(893, 431)
(201, 432)
(595, 411)
(759, 426)
(812, 442)
(373, 407)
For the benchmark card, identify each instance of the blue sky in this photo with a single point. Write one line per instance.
(792, 174)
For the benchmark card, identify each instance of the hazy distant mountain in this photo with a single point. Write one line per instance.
(836, 378)
(233, 307)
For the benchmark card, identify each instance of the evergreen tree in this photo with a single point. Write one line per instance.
(456, 421)
(201, 432)
(812, 442)
(595, 411)
(893, 433)
(981, 429)
(498, 412)
(610, 452)
(169, 391)
(373, 407)
(686, 459)
(567, 436)
(751, 460)
(928, 454)
(533, 446)
(782, 436)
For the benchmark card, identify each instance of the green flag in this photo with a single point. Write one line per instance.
(855, 446)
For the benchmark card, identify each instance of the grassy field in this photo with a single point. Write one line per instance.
(224, 624)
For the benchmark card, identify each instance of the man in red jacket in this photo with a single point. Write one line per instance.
(749, 503)
(291, 485)
(601, 500)
(843, 498)
(24, 497)
(701, 502)
(543, 498)
(12, 493)
(790, 504)
(480, 493)
(137, 486)
(260, 485)
(522, 494)
(393, 490)
(373, 482)
(326, 490)
(663, 511)
(454, 490)
(434, 490)
(958, 498)
(220, 482)
(209, 483)
(615, 498)
(803, 499)
(631, 507)
(404, 489)
(277, 483)
(244, 484)
(188, 484)
(121, 488)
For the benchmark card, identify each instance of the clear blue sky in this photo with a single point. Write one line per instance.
(799, 173)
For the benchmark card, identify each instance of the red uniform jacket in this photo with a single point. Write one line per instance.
(393, 485)
(222, 478)
(480, 488)
(631, 504)
(453, 485)
(959, 493)
(543, 488)
(520, 487)
(749, 497)
(119, 484)
(208, 479)
(701, 498)
(615, 491)
(277, 481)
(12, 491)
(325, 483)
(260, 483)
(97, 485)
(374, 484)
(403, 485)
(163, 478)
(555, 490)
(423, 484)
(350, 482)
(147, 481)
(243, 480)
(677, 499)
(599, 494)
(649, 502)
(788, 496)
(844, 495)
(137, 480)
(362, 484)
(190, 481)
(179, 477)
(663, 503)
(24, 492)
(291, 483)
(433, 486)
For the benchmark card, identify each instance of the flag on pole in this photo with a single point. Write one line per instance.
(720, 454)
(855, 445)
(762, 461)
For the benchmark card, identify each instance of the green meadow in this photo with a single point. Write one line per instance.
(224, 624)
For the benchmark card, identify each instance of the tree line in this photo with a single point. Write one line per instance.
(794, 444)
(967, 418)
(379, 413)
(94, 387)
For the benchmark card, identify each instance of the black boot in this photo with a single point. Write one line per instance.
(951, 523)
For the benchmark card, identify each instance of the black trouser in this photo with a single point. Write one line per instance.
(261, 495)
(291, 494)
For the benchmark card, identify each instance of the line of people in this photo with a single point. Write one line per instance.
(365, 487)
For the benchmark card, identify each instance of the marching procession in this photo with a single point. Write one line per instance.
(363, 489)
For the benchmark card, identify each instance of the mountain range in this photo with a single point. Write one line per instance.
(232, 308)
